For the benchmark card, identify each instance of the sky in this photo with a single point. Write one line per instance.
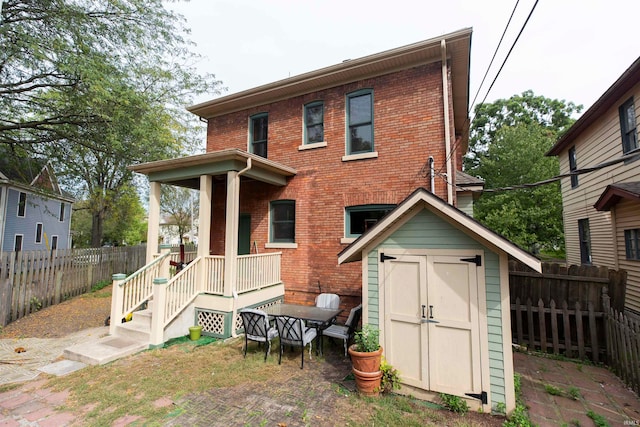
(571, 50)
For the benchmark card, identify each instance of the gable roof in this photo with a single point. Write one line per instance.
(616, 192)
(30, 174)
(611, 97)
(423, 199)
(458, 48)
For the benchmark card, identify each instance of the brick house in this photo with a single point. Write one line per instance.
(297, 169)
(601, 209)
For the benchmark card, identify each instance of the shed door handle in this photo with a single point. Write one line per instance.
(430, 312)
(423, 307)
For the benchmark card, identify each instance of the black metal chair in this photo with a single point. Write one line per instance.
(293, 332)
(257, 328)
(345, 332)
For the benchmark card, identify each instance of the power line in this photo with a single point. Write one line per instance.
(486, 73)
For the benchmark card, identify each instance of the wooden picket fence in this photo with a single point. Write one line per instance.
(623, 345)
(33, 280)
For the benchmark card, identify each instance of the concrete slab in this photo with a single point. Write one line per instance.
(62, 367)
(104, 350)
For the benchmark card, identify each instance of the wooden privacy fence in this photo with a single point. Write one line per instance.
(32, 280)
(562, 310)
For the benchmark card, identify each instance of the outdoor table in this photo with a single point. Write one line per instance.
(321, 317)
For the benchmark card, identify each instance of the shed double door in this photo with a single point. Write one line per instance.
(431, 321)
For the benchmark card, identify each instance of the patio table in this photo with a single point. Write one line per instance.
(321, 317)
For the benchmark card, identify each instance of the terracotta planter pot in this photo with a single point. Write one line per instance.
(366, 369)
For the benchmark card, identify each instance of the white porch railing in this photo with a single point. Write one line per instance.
(257, 271)
(131, 292)
(214, 275)
(179, 292)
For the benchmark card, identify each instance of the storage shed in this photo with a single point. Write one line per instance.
(436, 283)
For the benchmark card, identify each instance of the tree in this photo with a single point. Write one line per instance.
(97, 86)
(509, 139)
(181, 206)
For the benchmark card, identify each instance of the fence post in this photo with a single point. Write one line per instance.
(117, 296)
(607, 330)
(156, 337)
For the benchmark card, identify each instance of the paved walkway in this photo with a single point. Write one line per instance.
(581, 389)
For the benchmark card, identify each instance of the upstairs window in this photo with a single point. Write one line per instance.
(573, 165)
(283, 221)
(632, 244)
(17, 242)
(22, 204)
(39, 232)
(54, 243)
(361, 218)
(585, 241)
(628, 127)
(360, 122)
(258, 130)
(61, 215)
(314, 122)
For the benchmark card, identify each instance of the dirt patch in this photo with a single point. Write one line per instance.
(56, 321)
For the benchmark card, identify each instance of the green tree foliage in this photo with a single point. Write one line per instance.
(97, 85)
(509, 139)
(126, 226)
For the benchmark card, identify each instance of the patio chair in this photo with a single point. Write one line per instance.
(345, 332)
(257, 328)
(328, 301)
(293, 332)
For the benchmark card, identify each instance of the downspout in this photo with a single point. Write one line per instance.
(447, 130)
(233, 291)
(432, 174)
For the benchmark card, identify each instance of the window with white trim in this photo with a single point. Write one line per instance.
(17, 242)
(22, 204)
(360, 122)
(39, 232)
(61, 215)
(628, 127)
(283, 221)
(54, 243)
(258, 132)
(359, 219)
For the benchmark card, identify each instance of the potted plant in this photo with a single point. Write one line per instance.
(366, 356)
(194, 332)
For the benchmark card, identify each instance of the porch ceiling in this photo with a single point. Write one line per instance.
(186, 171)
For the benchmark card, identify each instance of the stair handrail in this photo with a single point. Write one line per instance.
(135, 289)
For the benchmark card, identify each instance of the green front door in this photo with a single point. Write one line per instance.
(244, 234)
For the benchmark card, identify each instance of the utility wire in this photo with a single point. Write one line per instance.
(486, 73)
(456, 143)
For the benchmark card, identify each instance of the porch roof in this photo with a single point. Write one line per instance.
(186, 171)
(614, 193)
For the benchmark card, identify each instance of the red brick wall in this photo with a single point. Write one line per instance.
(408, 128)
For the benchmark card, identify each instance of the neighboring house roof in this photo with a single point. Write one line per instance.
(616, 192)
(457, 46)
(421, 198)
(610, 98)
(465, 180)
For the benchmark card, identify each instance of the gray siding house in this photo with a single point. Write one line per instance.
(35, 214)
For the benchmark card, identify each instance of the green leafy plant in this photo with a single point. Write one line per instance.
(367, 339)
(553, 390)
(454, 403)
(519, 417)
(390, 377)
(598, 419)
(35, 304)
(574, 392)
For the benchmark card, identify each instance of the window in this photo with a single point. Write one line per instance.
(361, 218)
(54, 243)
(360, 122)
(22, 204)
(283, 221)
(628, 127)
(258, 134)
(573, 165)
(39, 232)
(17, 242)
(632, 243)
(61, 216)
(314, 122)
(585, 241)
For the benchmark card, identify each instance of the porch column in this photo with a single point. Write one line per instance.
(153, 227)
(231, 232)
(204, 221)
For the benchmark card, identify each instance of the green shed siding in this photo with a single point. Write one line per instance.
(427, 231)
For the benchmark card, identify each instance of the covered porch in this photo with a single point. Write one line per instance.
(212, 287)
